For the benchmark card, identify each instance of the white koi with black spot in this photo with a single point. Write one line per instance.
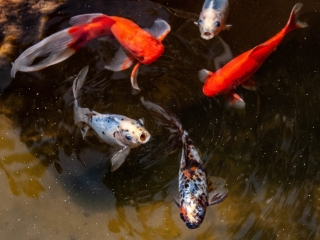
(116, 130)
(212, 18)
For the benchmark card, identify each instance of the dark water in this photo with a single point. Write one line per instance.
(57, 185)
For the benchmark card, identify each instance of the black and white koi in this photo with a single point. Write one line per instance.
(116, 130)
(212, 18)
(196, 191)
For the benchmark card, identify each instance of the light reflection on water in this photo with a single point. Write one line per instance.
(268, 153)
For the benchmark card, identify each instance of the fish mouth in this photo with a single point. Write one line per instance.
(207, 35)
(144, 137)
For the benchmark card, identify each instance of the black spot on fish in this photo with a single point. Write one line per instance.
(122, 119)
(186, 185)
(114, 134)
(103, 133)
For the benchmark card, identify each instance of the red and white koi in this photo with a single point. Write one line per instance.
(212, 18)
(138, 44)
(116, 130)
(239, 70)
(196, 191)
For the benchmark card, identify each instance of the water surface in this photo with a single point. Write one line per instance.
(55, 185)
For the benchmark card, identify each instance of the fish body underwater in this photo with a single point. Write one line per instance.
(196, 190)
(142, 45)
(239, 70)
(118, 131)
(212, 18)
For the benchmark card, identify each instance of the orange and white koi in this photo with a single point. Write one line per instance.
(139, 44)
(240, 69)
(196, 191)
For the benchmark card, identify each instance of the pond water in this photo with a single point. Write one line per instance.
(55, 185)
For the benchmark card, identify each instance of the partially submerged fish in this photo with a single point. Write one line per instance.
(240, 69)
(116, 130)
(195, 190)
(213, 17)
(138, 44)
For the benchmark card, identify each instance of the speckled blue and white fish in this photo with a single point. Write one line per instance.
(212, 18)
(116, 130)
(196, 191)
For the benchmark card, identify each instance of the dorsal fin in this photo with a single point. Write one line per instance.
(160, 29)
(84, 18)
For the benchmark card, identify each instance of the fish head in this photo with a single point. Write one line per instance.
(209, 23)
(215, 84)
(133, 133)
(150, 49)
(193, 211)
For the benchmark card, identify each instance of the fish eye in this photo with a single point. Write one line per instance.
(217, 24)
(128, 137)
(199, 22)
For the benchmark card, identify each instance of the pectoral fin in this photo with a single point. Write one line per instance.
(141, 121)
(86, 131)
(120, 61)
(217, 196)
(203, 75)
(215, 182)
(160, 29)
(234, 100)
(227, 27)
(119, 158)
(134, 75)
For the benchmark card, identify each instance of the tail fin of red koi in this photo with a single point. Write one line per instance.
(63, 44)
(293, 21)
(52, 49)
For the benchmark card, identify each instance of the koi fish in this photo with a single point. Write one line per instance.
(139, 44)
(239, 70)
(116, 130)
(212, 18)
(196, 191)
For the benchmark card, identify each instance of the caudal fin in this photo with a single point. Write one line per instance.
(293, 21)
(163, 117)
(77, 84)
(63, 44)
(53, 49)
(79, 80)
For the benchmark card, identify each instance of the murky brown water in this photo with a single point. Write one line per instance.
(268, 153)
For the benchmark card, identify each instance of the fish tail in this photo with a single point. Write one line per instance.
(77, 84)
(52, 50)
(63, 44)
(293, 21)
(164, 117)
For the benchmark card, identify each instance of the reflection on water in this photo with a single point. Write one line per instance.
(54, 184)
(22, 169)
